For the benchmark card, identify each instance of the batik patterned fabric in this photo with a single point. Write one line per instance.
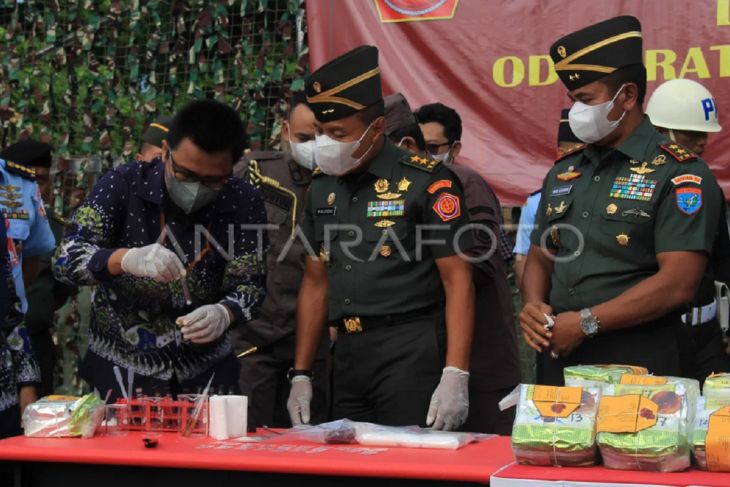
(18, 367)
(133, 319)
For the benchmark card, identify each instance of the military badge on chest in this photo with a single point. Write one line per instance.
(11, 199)
(569, 175)
(389, 204)
(634, 187)
(382, 189)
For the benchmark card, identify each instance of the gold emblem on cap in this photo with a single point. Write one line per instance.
(385, 250)
(555, 235)
(403, 184)
(611, 209)
(317, 87)
(381, 185)
(353, 325)
(643, 169)
(562, 52)
(623, 239)
(659, 160)
(384, 223)
(331, 198)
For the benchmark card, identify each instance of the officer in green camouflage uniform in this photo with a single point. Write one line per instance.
(625, 224)
(387, 226)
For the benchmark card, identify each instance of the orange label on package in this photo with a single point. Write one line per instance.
(717, 443)
(556, 402)
(642, 380)
(626, 414)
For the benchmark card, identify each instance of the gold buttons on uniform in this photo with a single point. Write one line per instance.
(331, 199)
(385, 250)
(623, 239)
(611, 209)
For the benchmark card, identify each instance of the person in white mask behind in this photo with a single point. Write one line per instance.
(267, 342)
(441, 127)
(625, 223)
(384, 226)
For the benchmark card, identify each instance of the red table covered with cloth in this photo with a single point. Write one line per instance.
(109, 461)
(527, 476)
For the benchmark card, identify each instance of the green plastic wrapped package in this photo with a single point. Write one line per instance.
(698, 434)
(661, 443)
(717, 391)
(63, 416)
(598, 375)
(555, 426)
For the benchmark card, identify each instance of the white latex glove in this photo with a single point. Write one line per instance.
(300, 398)
(450, 401)
(204, 324)
(153, 261)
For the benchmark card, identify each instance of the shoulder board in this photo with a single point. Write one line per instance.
(423, 163)
(573, 150)
(26, 172)
(678, 152)
(317, 172)
(263, 155)
(257, 178)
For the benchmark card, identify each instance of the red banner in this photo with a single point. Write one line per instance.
(489, 60)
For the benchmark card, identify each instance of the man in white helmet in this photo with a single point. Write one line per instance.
(685, 111)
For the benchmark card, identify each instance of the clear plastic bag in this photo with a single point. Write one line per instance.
(63, 416)
(598, 375)
(662, 447)
(345, 431)
(544, 439)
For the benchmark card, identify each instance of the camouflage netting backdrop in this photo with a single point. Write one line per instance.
(87, 76)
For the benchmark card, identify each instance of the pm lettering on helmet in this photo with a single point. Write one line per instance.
(708, 105)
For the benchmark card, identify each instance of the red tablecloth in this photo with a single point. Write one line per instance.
(601, 475)
(473, 463)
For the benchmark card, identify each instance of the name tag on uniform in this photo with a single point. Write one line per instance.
(562, 190)
(326, 211)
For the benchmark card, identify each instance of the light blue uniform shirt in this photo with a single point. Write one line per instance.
(27, 223)
(526, 225)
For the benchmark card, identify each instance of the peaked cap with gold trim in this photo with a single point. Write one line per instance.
(346, 85)
(596, 51)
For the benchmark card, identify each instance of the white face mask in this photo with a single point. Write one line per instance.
(590, 123)
(303, 153)
(443, 157)
(334, 157)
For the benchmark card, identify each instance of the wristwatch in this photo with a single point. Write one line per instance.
(589, 323)
(291, 373)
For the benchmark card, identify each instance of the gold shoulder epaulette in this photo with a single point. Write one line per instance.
(26, 172)
(573, 150)
(678, 152)
(427, 164)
